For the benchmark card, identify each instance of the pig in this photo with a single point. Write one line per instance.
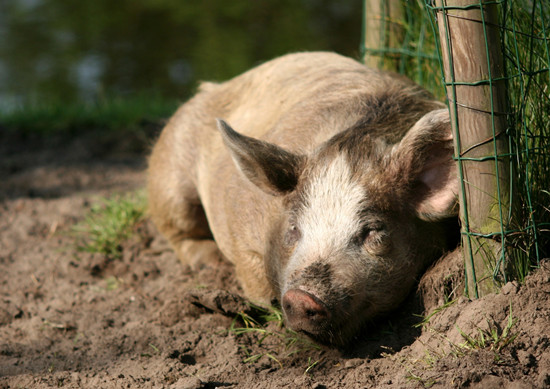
(326, 183)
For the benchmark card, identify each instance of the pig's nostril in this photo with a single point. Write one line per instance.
(304, 311)
(311, 313)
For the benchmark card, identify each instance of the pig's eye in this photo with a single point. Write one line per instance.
(374, 239)
(365, 234)
(293, 235)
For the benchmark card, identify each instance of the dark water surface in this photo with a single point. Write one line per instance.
(67, 50)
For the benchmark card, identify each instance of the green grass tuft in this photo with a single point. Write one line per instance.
(109, 223)
(425, 320)
(493, 338)
(276, 341)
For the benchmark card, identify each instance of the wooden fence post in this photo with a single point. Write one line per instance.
(383, 31)
(474, 70)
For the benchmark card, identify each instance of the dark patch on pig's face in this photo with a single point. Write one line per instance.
(319, 272)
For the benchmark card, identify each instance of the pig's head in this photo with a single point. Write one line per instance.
(360, 220)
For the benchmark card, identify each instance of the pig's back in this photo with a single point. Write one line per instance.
(300, 100)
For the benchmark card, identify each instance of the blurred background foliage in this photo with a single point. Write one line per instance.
(62, 52)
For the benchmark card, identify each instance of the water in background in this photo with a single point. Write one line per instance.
(67, 50)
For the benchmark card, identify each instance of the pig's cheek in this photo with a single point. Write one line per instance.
(287, 264)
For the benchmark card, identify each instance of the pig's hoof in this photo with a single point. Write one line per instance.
(305, 312)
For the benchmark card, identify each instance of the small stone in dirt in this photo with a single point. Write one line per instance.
(187, 383)
(352, 363)
(510, 288)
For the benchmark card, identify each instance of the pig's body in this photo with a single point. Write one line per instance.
(335, 212)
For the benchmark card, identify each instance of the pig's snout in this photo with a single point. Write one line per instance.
(305, 312)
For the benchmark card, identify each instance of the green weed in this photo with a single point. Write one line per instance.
(109, 223)
(425, 382)
(112, 283)
(155, 348)
(277, 342)
(493, 338)
(311, 363)
(426, 320)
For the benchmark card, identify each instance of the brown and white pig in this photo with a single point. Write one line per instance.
(328, 196)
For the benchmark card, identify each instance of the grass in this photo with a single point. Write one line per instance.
(425, 382)
(426, 319)
(155, 351)
(112, 114)
(109, 223)
(493, 338)
(528, 66)
(275, 341)
(112, 283)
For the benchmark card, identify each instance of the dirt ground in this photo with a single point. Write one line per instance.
(72, 319)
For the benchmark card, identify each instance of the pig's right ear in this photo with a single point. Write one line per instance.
(423, 161)
(269, 167)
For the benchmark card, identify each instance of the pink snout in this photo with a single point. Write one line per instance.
(304, 311)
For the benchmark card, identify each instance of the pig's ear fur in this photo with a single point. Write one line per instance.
(425, 157)
(270, 167)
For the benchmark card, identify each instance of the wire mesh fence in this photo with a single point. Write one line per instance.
(491, 60)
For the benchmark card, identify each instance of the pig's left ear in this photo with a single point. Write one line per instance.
(424, 159)
(268, 166)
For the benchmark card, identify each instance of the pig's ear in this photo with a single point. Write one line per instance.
(269, 167)
(425, 158)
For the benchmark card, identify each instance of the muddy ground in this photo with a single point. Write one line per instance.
(72, 319)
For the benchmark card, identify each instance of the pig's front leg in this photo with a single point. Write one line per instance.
(197, 253)
(251, 273)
